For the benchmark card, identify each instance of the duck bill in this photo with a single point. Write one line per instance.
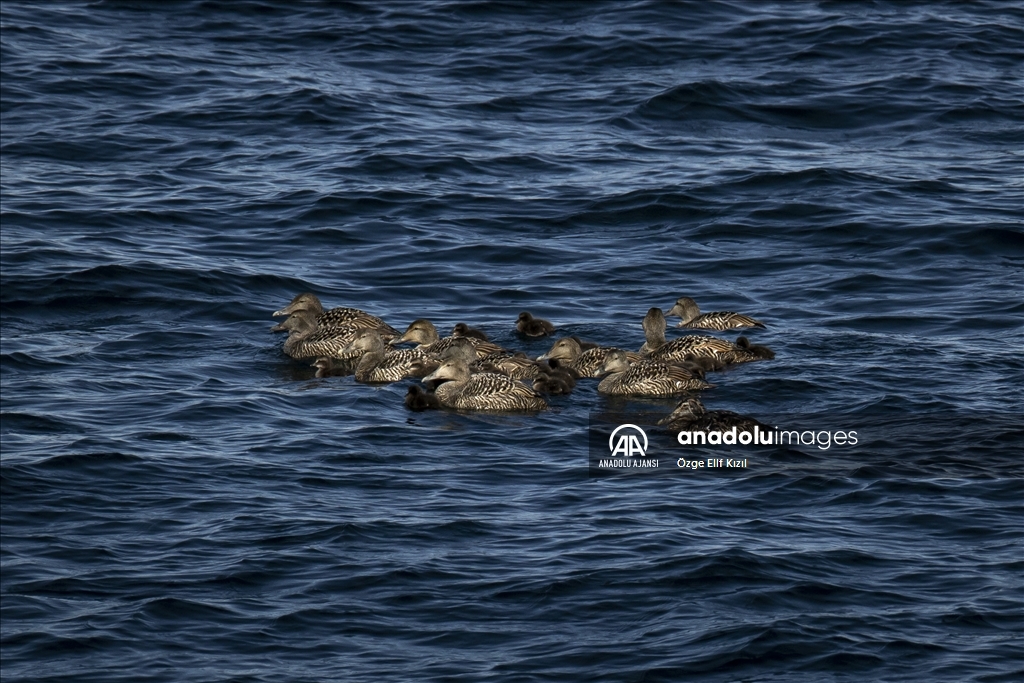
(279, 327)
(546, 356)
(430, 378)
(675, 310)
(287, 310)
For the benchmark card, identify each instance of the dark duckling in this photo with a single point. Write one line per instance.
(690, 415)
(687, 309)
(334, 367)
(563, 373)
(705, 363)
(547, 384)
(418, 400)
(464, 330)
(757, 351)
(529, 326)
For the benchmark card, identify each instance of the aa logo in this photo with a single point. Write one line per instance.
(628, 445)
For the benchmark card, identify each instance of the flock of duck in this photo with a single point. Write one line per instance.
(466, 371)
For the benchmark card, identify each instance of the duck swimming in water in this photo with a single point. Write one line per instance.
(377, 364)
(584, 363)
(694, 345)
(567, 375)
(690, 415)
(462, 390)
(687, 309)
(418, 400)
(334, 367)
(464, 330)
(306, 339)
(423, 333)
(529, 326)
(646, 378)
(756, 351)
(654, 325)
(544, 383)
(515, 365)
(349, 318)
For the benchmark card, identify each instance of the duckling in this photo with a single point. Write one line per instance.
(376, 365)
(584, 363)
(645, 378)
(424, 334)
(567, 375)
(462, 390)
(546, 384)
(757, 351)
(690, 415)
(336, 317)
(687, 309)
(464, 330)
(307, 340)
(334, 367)
(418, 400)
(705, 363)
(529, 326)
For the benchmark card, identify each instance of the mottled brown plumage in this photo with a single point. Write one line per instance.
(690, 415)
(646, 378)
(378, 363)
(423, 333)
(584, 363)
(462, 390)
(348, 318)
(691, 317)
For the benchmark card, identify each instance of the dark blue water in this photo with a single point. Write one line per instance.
(182, 502)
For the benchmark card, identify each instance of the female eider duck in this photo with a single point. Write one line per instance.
(307, 340)
(515, 366)
(693, 345)
(464, 330)
(336, 317)
(584, 363)
(483, 391)
(687, 309)
(529, 326)
(690, 415)
(646, 378)
(423, 333)
(377, 364)
(418, 400)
